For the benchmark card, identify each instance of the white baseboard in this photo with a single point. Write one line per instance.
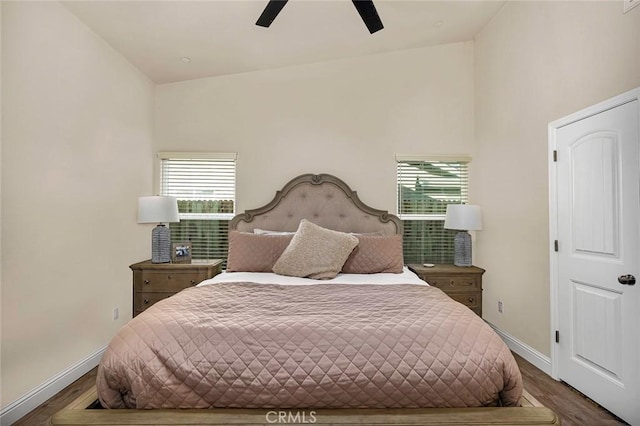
(30, 401)
(539, 360)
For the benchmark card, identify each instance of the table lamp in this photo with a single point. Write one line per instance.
(158, 209)
(463, 217)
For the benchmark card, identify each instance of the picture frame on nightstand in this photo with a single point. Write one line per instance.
(181, 252)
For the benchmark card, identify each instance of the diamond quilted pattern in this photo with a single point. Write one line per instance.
(255, 252)
(338, 346)
(375, 254)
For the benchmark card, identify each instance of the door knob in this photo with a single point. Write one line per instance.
(627, 279)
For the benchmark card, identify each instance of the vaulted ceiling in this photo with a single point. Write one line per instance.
(182, 40)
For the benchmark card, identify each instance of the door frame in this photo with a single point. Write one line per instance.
(553, 127)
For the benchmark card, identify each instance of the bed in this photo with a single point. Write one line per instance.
(362, 334)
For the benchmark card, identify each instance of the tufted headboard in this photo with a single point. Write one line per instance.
(322, 199)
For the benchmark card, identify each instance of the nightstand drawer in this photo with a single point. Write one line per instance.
(153, 282)
(166, 281)
(452, 283)
(143, 300)
(469, 299)
(461, 283)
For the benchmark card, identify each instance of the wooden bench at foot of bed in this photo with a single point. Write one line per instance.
(77, 413)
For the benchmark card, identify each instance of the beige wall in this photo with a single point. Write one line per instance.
(77, 152)
(536, 62)
(76, 141)
(1, 405)
(346, 117)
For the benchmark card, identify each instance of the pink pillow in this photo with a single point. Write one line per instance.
(250, 252)
(375, 254)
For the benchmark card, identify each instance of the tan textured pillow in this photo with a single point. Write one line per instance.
(254, 252)
(375, 254)
(315, 252)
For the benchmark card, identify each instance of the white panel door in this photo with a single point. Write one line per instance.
(598, 207)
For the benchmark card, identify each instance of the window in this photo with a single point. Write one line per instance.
(425, 187)
(205, 186)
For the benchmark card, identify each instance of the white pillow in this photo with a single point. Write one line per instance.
(267, 232)
(315, 252)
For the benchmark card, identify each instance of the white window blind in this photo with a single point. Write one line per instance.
(425, 187)
(204, 184)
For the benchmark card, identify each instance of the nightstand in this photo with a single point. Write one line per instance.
(462, 284)
(156, 281)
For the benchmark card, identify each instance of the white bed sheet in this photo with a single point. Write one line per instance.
(405, 277)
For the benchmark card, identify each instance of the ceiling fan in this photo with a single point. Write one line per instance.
(365, 8)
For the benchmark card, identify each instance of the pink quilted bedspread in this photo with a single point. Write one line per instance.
(320, 346)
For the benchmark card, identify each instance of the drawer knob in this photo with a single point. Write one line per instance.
(471, 299)
(168, 277)
(146, 301)
(193, 281)
(146, 281)
(451, 282)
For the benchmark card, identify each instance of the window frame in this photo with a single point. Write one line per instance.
(212, 218)
(433, 223)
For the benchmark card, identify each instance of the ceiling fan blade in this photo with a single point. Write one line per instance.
(369, 15)
(270, 12)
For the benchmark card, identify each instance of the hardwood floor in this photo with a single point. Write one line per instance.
(41, 415)
(572, 408)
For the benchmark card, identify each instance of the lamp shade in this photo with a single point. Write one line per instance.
(158, 209)
(465, 217)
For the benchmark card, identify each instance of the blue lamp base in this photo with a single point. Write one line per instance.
(160, 244)
(462, 247)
